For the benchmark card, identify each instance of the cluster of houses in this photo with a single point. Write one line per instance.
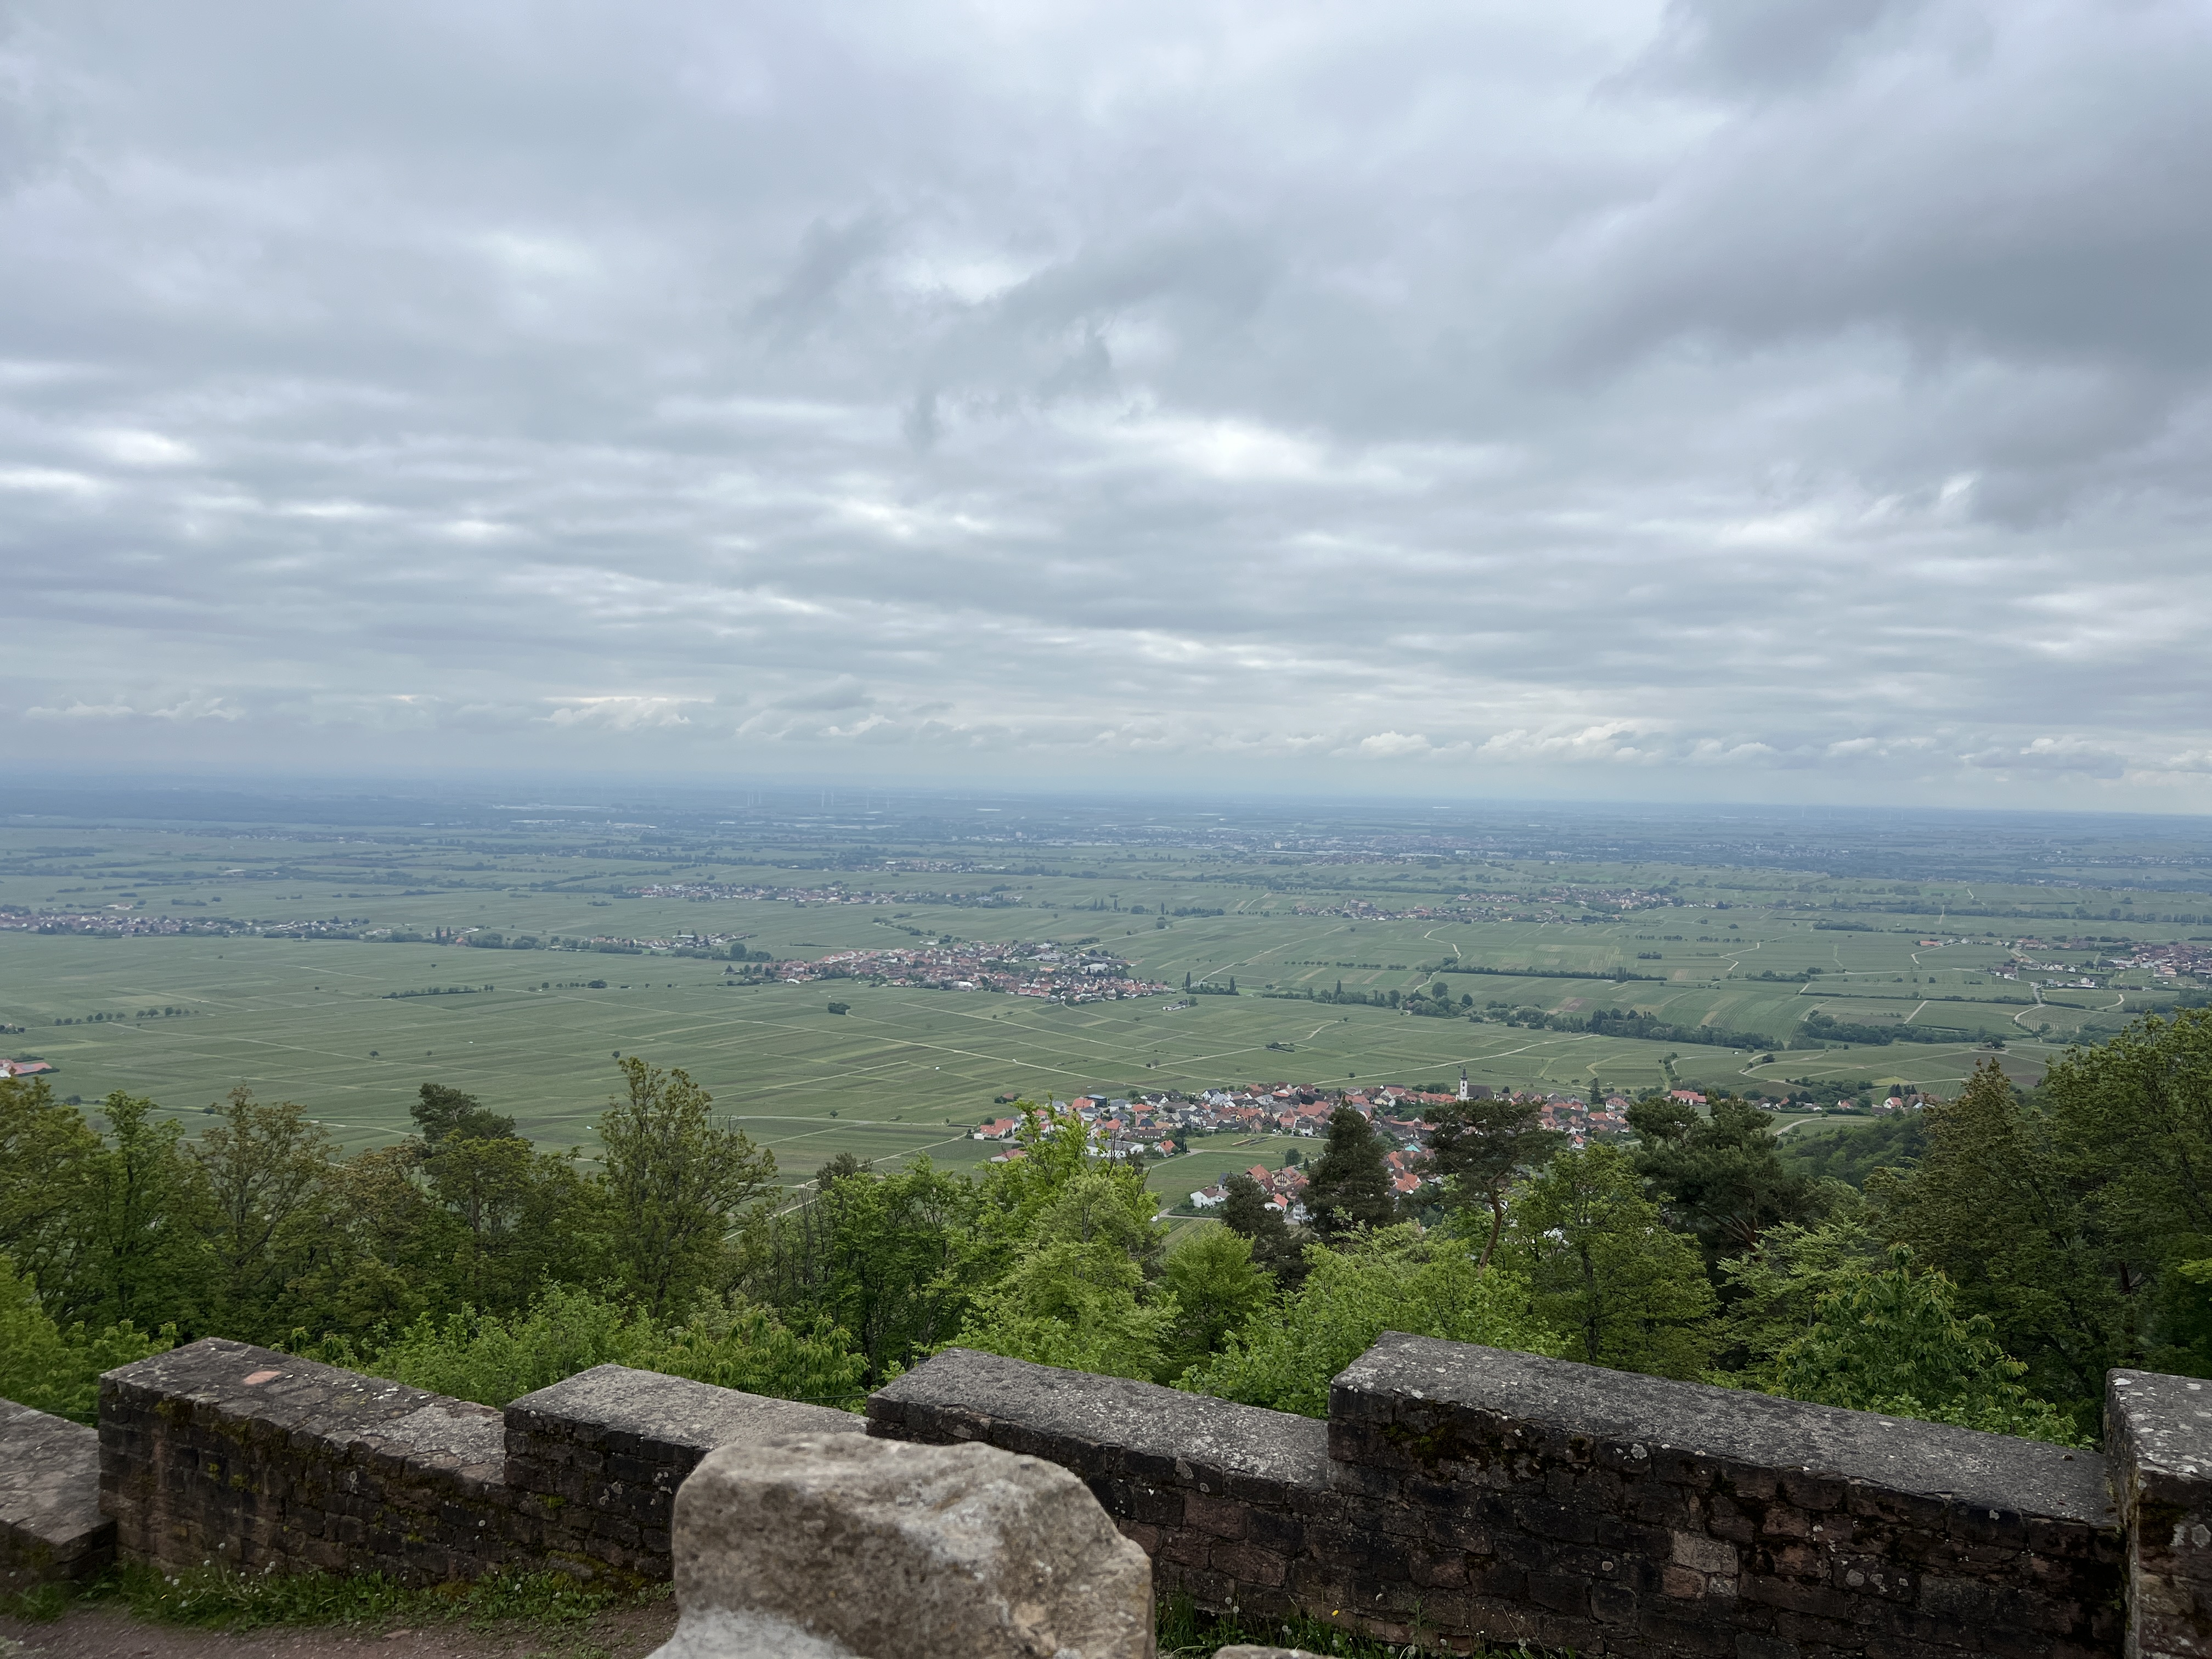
(1555, 904)
(1161, 1125)
(2162, 958)
(1119, 1128)
(1024, 968)
(130, 920)
(834, 893)
(2169, 959)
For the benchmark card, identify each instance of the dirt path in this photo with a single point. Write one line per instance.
(109, 1632)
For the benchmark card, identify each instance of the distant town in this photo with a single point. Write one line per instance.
(1161, 1125)
(1067, 973)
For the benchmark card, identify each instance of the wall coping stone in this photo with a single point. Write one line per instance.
(50, 1526)
(634, 1410)
(1138, 1419)
(2167, 1424)
(1963, 1467)
(2158, 1430)
(322, 1406)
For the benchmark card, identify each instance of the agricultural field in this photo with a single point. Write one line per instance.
(344, 964)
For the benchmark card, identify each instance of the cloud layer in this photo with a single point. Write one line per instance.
(1733, 399)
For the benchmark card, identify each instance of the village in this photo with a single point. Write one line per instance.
(830, 893)
(1161, 1125)
(1064, 973)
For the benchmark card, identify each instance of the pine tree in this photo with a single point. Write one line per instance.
(1350, 1184)
(1276, 1245)
(1480, 1146)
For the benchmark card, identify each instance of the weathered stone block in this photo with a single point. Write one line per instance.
(50, 1527)
(835, 1545)
(2158, 1431)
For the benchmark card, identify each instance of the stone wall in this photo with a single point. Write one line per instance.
(1460, 1492)
(1235, 1505)
(1613, 1513)
(224, 1451)
(1469, 1494)
(603, 1454)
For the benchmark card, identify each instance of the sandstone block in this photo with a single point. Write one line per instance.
(843, 1547)
(2158, 1429)
(50, 1526)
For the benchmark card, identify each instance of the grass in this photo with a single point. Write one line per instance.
(1186, 1633)
(220, 1598)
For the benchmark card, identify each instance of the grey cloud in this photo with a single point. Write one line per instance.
(1761, 45)
(827, 254)
(1799, 400)
(840, 695)
(2054, 754)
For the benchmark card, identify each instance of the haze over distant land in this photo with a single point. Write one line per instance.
(1706, 401)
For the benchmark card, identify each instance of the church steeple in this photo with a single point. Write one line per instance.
(1462, 1083)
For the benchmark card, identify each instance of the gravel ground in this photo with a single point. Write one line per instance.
(109, 1632)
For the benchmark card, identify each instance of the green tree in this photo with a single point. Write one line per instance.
(2133, 1119)
(676, 1183)
(268, 1172)
(113, 1229)
(892, 1258)
(735, 1344)
(1854, 1154)
(1608, 1274)
(1277, 1249)
(1398, 1280)
(1077, 1294)
(440, 1112)
(1480, 1147)
(1216, 1287)
(1349, 1185)
(1077, 1305)
(52, 1369)
(495, 1359)
(1722, 1174)
(1772, 1297)
(47, 1155)
(388, 1254)
(146, 1217)
(1892, 1340)
(516, 1216)
(2005, 1208)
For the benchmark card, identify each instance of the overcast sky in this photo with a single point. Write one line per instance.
(1736, 399)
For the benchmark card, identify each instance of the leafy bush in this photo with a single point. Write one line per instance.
(52, 1369)
(1397, 1280)
(1076, 1293)
(495, 1361)
(1893, 1341)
